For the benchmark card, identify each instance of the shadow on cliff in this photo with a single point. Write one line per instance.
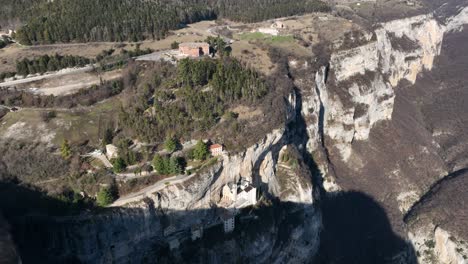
(356, 229)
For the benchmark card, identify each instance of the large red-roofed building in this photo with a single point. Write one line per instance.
(194, 49)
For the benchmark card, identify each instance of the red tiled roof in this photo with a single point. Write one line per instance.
(215, 146)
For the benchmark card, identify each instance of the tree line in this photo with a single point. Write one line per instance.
(47, 63)
(125, 20)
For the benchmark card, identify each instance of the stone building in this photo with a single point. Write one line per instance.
(229, 221)
(196, 232)
(194, 49)
(216, 150)
(238, 195)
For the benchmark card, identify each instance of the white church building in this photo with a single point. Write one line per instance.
(239, 195)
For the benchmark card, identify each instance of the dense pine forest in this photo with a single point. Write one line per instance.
(133, 20)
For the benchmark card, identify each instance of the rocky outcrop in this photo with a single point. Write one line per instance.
(437, 222)
(436, 245)
(449, 249)
(360, 118)
(360, 88)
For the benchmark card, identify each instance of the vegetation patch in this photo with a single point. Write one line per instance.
(121, 20)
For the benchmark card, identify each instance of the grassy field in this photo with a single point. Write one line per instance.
(77, 125)
(252, 36)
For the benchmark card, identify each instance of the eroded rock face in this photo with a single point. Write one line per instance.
(134, 231)
(362, 80)
(437, 223)
(436, 245)
(448, 249)
(385, 119)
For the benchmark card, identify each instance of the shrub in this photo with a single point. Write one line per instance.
(106, 196)
(175, 45)
(170, 144)
(48, 115)
(118, 165)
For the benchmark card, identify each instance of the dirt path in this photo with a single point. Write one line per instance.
(48, 76)
(134, 197)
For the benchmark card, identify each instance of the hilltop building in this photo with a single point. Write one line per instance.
(216, 150)
(194, 49)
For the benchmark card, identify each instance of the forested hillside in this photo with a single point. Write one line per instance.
(13, 11)
(192, 96)
(125, 20)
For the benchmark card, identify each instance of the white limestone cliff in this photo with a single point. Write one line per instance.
(364, 78)
(436, 245)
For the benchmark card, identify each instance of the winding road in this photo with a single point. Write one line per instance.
(48, 76)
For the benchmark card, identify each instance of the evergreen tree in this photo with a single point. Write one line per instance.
(201, 151)
(175, 166)
(170, 144)
(65, 149)
(108, 136)
(160, 164)
(105, 196)
(118, 165)
(120, 20)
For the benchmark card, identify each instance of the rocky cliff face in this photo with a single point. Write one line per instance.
(362, 80)
(365, 118)
(136, 230)
(369, 121)
(356, 93)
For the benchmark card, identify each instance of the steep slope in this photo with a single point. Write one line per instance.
(138, 230)
(386, 118)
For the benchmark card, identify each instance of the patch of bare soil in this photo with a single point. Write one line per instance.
(246, 112)
(69, 84)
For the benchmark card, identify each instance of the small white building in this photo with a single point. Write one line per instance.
(216, 150)
(112, 151)
(229, 221)
(246, 197)
(269, 31)
(238, 195)
(196, 232)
